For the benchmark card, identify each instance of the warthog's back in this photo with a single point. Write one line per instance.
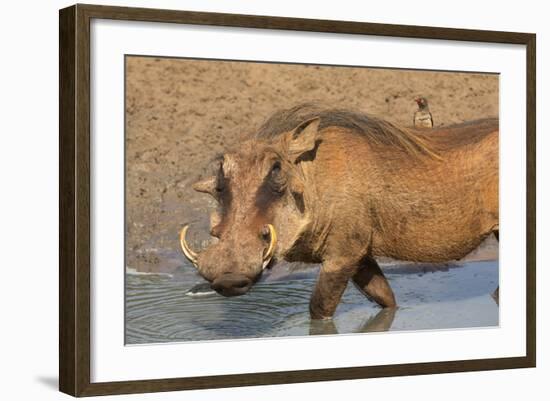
(462, 135)
(431, 206)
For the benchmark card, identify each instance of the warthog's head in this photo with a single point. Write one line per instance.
(263, 207)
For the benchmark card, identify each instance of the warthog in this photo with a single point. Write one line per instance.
(342, 188)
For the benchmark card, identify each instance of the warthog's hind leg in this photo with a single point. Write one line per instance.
(370, 280)
(495, 294)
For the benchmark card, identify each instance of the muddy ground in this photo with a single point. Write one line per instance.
(180, 113)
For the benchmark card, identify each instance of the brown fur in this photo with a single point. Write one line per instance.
(350, 188)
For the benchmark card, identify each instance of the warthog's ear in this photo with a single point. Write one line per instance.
(303, 138)
(207, 185)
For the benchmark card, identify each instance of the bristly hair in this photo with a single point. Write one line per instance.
(375, 130)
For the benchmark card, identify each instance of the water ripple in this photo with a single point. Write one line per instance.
(158, 308)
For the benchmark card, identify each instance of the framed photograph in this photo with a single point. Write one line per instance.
(250, 200)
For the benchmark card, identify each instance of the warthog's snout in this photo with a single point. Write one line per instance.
(230, 284)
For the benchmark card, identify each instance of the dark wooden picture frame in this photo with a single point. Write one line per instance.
(74, 199)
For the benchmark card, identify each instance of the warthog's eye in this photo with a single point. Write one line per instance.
(276, 177)
(276, 169)
(220, 180)
(272, 187)
(219, 186)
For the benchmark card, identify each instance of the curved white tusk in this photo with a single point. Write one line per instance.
(187, 251)
(268, 254)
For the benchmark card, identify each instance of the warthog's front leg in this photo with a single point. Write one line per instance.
(332, 281)
(370, 280)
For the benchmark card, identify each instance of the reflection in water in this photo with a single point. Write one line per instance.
(162, 308)
(381, 321)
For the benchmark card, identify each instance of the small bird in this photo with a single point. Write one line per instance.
(422, 117)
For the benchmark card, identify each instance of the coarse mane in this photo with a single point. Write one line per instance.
(373, 129)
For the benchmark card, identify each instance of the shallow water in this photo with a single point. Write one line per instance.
(160, 309)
